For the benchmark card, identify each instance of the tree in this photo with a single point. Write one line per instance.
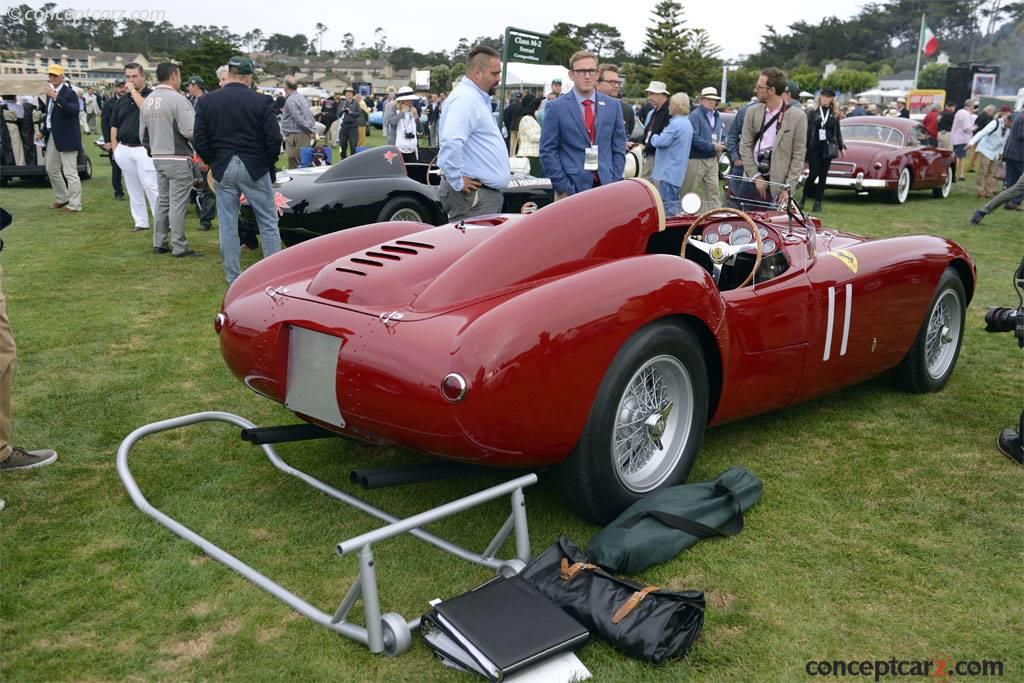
(667, 35)
(933, 76)
(380, 41)
(564, 40)
(601, 39)
(318, 36)
(807, 77)
(850, 81)
(204, 59)
(457, 71)
(348, 42)
(289, 45)
(461, 50)
(440, 78)
(254, 39)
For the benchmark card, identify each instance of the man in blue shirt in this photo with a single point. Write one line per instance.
(702, 170)
(473, 156)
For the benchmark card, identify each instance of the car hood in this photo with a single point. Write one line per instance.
(435, 270)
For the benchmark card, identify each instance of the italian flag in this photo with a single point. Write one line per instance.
(929, 43)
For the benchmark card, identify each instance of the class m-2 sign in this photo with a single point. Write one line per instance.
(524, 46)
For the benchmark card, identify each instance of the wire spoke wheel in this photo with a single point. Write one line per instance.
(943, 336)
(407, 215)
(653, 423)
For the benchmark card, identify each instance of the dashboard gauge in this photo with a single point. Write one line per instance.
(711, 237)
(741, 236)
(763, 232)
(767, 247)
(724, 229)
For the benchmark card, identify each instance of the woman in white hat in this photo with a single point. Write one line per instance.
(405, 127)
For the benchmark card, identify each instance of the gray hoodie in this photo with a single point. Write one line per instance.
(165, 124)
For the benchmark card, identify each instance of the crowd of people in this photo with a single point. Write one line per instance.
(170, 149)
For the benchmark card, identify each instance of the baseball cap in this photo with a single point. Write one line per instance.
(793, 88)
(55, 70)
(242, 64)
(196, 80)
(556, 81)
(119, 81)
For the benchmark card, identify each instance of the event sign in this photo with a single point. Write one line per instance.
(525, 46)
(921, 101)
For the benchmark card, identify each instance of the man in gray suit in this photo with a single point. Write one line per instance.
(774, 139)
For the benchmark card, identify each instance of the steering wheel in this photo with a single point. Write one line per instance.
(430, 165)
(718, 252)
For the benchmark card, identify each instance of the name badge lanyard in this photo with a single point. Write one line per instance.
(822, 133)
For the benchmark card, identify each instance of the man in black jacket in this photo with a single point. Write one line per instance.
(237, 134)
(610, 83)
(106, 113)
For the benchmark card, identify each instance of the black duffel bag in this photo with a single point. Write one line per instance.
(644, 622)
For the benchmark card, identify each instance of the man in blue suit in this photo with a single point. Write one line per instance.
(63, 139)
(583, 140)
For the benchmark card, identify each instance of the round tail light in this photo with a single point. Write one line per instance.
(453, 387)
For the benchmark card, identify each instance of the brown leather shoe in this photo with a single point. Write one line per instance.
(58, 205)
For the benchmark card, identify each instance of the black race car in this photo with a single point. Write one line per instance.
(372, 186)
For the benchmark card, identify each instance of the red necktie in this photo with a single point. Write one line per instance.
(588, 118)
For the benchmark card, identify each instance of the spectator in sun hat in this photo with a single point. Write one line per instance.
(656, 120)
(858, 107)
(705, 147)
(791, 96)
(901, 107)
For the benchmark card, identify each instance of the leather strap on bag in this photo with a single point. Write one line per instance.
(569, 572)
(631, 604)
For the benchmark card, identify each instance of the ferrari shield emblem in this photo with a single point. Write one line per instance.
(848, 259)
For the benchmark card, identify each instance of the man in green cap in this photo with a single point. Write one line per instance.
(237, 134)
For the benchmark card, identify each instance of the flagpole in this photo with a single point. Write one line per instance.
(920, 47)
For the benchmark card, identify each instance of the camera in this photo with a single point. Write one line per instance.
(764, 162)
(1000, 319)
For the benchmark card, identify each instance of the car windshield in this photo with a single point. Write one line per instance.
(873, 133)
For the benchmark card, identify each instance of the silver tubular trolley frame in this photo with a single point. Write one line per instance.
(389, 632)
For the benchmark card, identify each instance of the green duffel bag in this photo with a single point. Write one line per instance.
(659, 526)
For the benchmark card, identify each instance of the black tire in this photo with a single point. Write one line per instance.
(404, 209)
(590, 478)
(87, 173)
(918, 372)
(903, 187)
(943, 191)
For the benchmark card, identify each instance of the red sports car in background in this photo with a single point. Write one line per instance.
(593, 336)
(891, 156)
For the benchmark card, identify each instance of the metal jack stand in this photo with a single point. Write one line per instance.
(389, 632)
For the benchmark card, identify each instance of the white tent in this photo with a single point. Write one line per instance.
(880, 96)
(521, 74)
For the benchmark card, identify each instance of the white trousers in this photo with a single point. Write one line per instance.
(140, 178)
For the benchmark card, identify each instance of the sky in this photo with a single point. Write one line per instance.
(735, 25)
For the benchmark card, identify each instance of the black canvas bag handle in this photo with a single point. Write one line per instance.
(689, 526)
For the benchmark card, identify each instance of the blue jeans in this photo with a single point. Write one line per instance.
(670, 198)
(259, 194)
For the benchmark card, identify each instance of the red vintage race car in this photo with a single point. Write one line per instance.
(593, 336)
(890, 156)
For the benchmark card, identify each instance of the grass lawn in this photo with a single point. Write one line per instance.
(890, 525)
